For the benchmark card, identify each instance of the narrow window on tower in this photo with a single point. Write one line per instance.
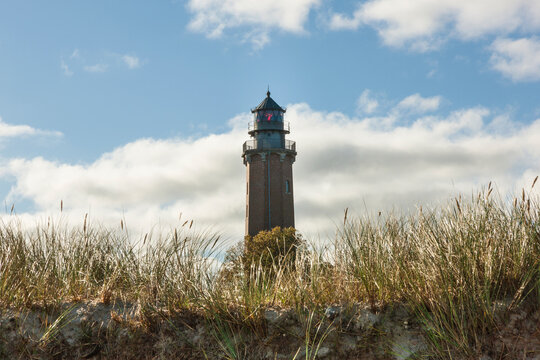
(287, 187)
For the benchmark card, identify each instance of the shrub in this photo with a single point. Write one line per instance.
(268, 247)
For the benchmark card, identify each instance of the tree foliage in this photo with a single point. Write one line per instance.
(270, 247)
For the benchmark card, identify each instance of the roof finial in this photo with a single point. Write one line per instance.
(268, 92)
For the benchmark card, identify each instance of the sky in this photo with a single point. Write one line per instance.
(137, 110)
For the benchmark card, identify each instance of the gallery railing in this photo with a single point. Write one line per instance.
(267, 145)
(269, 125)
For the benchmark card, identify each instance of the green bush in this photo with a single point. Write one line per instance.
(269, 247)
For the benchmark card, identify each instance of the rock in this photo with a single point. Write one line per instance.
(323, 352)
(271, 316)
(70, 324)
(366, 320)
(348, 343)
(408, 345)
(332, 312)
(282, 322)
(31, 325)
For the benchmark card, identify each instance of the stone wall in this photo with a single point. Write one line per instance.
(88, 330)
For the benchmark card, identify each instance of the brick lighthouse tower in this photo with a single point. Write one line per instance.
(268, 157)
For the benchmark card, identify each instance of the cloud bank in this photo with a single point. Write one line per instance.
(420, 25)
(11, 131)
(424, 25)
(517, 59)
(343, 162)
(214, 17)
(418, 104)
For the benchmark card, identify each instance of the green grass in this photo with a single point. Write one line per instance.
(450, 265)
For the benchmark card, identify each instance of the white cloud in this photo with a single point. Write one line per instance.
(258, 39)
(366, 103)
(78, 61)
(75, 54)
(342, 162)
(214, 17)
(131, 61)
(97, 68)
(423, 24)
(517, 59)
(418, 104)
(65, 68)
(8, 131)
(146, 181)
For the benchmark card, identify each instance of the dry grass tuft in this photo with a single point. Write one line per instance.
(454, 266)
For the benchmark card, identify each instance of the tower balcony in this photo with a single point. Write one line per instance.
(283, 126)
(259, 145)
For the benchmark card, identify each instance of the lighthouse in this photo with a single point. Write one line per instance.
(268, 157)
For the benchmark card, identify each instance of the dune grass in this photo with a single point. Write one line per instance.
(454, 266)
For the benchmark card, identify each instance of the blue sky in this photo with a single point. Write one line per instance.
(139, 109)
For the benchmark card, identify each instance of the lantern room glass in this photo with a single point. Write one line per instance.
(268, 115)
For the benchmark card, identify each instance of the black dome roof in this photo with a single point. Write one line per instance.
(268, 104)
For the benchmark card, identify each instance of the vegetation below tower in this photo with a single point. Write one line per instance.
(459, 282)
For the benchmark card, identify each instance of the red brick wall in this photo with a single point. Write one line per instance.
(260, 214)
